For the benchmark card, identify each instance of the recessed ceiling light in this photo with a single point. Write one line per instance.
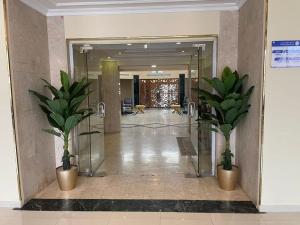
(129, 44)
(108, 57)
(153, 66)
(182, 51)
(178, 43)
(145, 46)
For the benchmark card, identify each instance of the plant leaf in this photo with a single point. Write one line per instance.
(65, 81)
(41, 97)
(53, 132)
(58, 119)
(226, 129)
(88, 133)
(53, 90)
(72, 121)
(227, 104)
(231, 115)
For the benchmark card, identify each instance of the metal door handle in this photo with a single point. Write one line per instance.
(191, 109)
(101, 109)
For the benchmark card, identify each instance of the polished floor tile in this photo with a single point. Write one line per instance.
(15, 217)
(144, 162)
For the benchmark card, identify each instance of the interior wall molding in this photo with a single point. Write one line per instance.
(79, 7)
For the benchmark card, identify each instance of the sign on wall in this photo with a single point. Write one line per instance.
(286, 54)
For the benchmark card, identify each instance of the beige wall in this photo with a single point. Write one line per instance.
(227, 56)
(9, 193)
(148, 24)
(281, 142)
(250, 61)
(58, 61)
(29, 60)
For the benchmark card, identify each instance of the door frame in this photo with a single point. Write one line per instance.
(148, 39)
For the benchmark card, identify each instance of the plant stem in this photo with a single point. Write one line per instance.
(66, 156)
(227, 162)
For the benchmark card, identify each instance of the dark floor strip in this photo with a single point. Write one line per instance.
(188, 206)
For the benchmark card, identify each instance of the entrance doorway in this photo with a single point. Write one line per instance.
(159, 78)
(161, 150)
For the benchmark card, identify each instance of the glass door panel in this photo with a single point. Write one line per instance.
(201, 66)
(89, 148)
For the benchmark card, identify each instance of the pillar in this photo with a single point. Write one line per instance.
(111, 96)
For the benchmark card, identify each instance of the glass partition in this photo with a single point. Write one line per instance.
(201, 66)
(89, 148)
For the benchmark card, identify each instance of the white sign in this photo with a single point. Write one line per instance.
(286, 54)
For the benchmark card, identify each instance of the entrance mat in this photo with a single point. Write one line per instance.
(186, 146)
(188, 206)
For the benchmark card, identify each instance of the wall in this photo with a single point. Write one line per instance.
(227, 56)
(9, 193)
(58, 61)
(281, 154)
(148, 24)
(126, 88)
(250, 61)
(29, 60)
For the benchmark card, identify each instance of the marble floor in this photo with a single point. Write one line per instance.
(144, 162)
(14, 217)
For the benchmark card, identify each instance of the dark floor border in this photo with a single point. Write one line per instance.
(188, 206)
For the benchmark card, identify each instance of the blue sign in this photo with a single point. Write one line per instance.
(286, 54)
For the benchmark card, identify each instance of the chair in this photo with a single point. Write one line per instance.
(127, 106)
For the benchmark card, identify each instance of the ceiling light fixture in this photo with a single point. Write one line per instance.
(145, 46)
(108, 57)
(129, 44)
(182, 51)
(178, 43)
(153, 66)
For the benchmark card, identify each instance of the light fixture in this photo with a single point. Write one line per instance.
(153, 66)
(145, 46)
(178, 43)
(108, 57)
(129, 44)
(182, 51)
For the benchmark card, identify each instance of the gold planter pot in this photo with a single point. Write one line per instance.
(228, 178)
(67, 178)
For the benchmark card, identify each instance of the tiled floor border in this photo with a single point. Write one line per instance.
(188, 206)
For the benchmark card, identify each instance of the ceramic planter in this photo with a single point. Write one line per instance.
(67, 178)
(228, 178)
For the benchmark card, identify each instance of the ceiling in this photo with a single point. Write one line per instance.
(135, 57)
(89, 7)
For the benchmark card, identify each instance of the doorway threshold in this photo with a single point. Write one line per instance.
(140, 205)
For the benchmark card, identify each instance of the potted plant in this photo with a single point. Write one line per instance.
(230, 103)
(64, 113)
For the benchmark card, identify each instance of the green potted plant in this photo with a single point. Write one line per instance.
(231, 104)
(64, 113)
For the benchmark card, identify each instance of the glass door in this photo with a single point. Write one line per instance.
(201, 66)
(89, 148)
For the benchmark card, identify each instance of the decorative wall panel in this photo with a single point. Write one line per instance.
(159, 93)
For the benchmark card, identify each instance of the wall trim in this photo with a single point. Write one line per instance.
(279, 208)
(49, 8)
(10, 204)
